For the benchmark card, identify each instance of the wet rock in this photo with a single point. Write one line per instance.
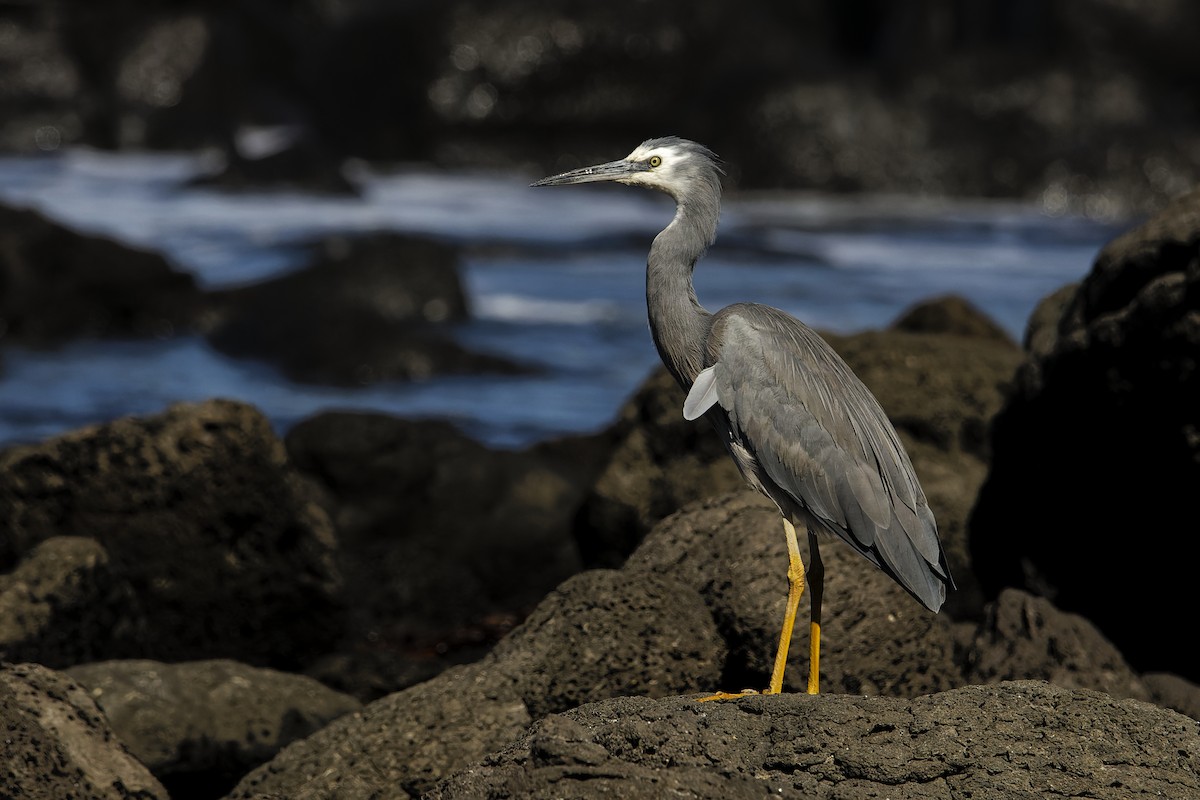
(209, 532)
(445, 544)
(875, 638)
(601, 634)
(207, 722)
(974, 741)
(57, 744)
(63, 603)
(56, 284)
(367, 310)
(1096, 456)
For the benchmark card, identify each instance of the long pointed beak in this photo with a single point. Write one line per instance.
(612, 171)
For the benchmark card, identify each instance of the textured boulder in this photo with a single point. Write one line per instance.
(57, 284)
(602, 634)
(1025, 637)
(444, 543)
(1096, 456)
(212, 541)
(57, 744)
(63, 603)
(368, 309)
(1015, 740)
(875, 638)
(209, 721)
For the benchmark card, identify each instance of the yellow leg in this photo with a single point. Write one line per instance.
(816, 583)
(795, 590)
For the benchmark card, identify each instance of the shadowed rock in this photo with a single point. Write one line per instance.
(974, 741)
(601, 634)
(444, 543)
(56, 284)
(1096, 457)
(210, 535)
(949, 314)
(57, 744)
(1024, 637)
(367, 310)
(698, 608)
(207, 722)
(63, 603)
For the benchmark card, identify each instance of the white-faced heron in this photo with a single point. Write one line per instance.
(802, 428)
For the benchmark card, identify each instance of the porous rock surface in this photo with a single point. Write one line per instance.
(207, 717)
(56, 744)
(1022, 740)
(213, 545)
(601, 634)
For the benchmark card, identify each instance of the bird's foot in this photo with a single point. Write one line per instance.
(730, 695)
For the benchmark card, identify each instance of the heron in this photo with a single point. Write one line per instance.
(800, 425)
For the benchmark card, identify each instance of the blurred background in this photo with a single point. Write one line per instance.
(877, 153)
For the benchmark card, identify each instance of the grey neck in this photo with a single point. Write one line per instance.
(678, 323)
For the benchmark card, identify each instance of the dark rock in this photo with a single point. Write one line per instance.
(611, 634)
(1024, 739)
(63, 604)
(602, 634)
(949, 314)
(368, 310)
(298, 164)
(57, 744)
(445, 544)
(1025, 638)
(875, 639)
(56, 284)
(697, 608)
(660, 463)
(1173, 692)
(206, 526)
(1096, 456)
(207, 722)
(1041, 331)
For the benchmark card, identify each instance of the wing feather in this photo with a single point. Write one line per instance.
(820, 435)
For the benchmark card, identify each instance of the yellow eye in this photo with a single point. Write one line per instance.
(655, 161)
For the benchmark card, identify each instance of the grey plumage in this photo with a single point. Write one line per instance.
(802, 428)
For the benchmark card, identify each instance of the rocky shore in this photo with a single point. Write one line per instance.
(192, 607)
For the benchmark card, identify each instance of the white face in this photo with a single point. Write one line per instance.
(663, 173)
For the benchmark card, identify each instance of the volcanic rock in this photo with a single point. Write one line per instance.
(207, 722)
(57, 744)
(973, 741)
(370, 309)
(56, 284)
(1096, 453)
(212, 542)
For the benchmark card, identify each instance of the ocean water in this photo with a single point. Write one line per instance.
(554, 277)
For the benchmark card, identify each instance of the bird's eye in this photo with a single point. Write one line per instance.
(655, 161)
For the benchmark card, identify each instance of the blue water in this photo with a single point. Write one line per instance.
(554, 278)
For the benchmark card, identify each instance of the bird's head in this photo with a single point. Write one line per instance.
(682, 168)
